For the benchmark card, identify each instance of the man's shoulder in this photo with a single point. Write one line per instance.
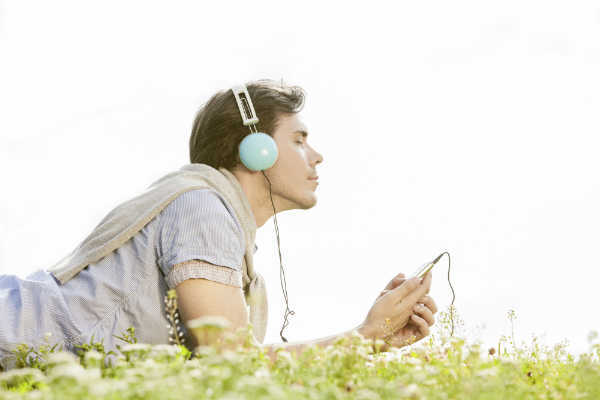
(198, 203)
(205, 197)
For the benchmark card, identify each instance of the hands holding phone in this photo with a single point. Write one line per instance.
(402, 313)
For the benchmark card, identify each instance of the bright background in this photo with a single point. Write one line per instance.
(462, 126)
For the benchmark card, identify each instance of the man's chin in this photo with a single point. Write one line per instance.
(304, 203)
(309, 203)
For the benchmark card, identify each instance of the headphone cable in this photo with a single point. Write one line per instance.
(281, 271)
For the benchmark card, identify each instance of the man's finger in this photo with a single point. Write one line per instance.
(427, 280)
(407, 288)
(424, 313)
(395, 282)
(416, 292)
(421, 323)
(429, 303)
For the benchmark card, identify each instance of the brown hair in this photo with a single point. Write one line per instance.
(218, 129)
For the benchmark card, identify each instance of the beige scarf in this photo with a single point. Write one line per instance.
(131, 216)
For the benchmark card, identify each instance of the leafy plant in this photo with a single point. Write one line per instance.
(441, 366)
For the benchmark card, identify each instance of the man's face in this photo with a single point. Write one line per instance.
(296, 163)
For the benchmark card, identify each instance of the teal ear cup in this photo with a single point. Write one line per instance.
(258, 151)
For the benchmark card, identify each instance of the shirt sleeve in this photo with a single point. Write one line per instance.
(199, 225)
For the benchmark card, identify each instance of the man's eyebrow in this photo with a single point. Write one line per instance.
(304, 133)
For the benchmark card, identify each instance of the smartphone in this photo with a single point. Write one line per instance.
(425, 268)
(422, 270)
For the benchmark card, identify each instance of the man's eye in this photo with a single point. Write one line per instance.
(299, 142)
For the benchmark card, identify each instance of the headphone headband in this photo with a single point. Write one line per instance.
(244, 102)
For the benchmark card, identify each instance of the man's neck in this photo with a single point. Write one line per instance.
(256, 194)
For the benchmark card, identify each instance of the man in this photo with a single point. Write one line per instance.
(200, 239)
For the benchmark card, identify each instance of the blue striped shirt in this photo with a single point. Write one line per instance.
(127, 287)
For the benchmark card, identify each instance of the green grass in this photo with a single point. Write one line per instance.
(437, 367)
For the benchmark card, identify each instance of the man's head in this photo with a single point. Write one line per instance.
(218, 131)
(218, 128)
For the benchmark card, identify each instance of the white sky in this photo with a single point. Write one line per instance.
(462, 126)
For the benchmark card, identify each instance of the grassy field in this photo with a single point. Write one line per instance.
(438, 367)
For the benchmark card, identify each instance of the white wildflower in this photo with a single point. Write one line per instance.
(366, 394)
(262, 373)
(120, 362)
(394, 354)
(231, 356)
(205, 351)
(221, 373)
(74, 371)
(333, 351)
(411, 390)
(432, 370)
(119, 385)
(150, 365)
(34, 395)
(413, 361)
(92, 355)
(208, 321)
(165, 349)
(101, 388)
(13, 374)
(135, 347)
(149, 385)
(286, 357)
(419, 375)
(484, 373)
(208, 329)
(247, 382)
(133, 373)
(363, 352)
(356, 334)
(452, 372)
(62, 357)
(196, 373)
(194, 364)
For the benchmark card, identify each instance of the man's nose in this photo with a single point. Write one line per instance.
(318, 157)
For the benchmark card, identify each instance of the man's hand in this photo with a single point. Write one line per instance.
(418, 325)
(419, 322)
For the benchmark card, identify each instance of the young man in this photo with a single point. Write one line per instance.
(193, 231)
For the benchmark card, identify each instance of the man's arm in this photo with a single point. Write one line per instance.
(202, 297)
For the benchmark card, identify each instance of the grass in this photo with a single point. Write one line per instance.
(438, 367)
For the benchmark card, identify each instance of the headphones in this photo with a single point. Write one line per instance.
(258, 152)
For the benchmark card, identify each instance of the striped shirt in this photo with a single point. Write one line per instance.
(127, 287)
